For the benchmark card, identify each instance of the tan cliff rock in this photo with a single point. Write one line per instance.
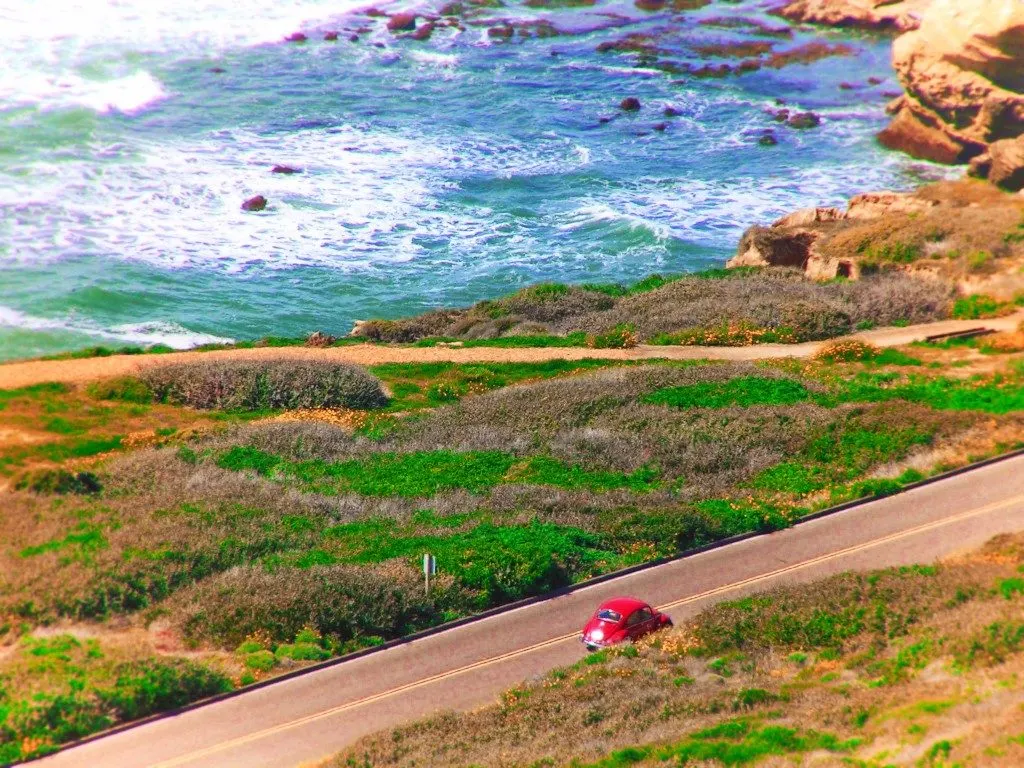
(901, 15)
(968, 232)
(963, 73)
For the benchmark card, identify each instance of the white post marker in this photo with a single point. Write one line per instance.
(429, 569)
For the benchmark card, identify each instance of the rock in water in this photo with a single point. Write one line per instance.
(424, 32)
(285, 169)
(296, 37)
(402, 22)
(257, 203)
(330, 37)
(963, 73)
(630, 104)
(804, 120)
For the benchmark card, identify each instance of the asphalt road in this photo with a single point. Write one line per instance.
(26, 373)
(311, 716)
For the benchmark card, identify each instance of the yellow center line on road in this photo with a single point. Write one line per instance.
(257, 735)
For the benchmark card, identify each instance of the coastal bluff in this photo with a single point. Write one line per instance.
(961, 65)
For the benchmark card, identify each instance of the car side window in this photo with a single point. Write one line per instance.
(639, 617)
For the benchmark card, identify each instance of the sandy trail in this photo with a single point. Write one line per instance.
(23, 374)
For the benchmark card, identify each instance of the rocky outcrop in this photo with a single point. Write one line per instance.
(962, 230)
(901, 15)
(1003, 164)
(963, 73)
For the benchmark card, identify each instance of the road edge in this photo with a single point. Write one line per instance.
(509, 607)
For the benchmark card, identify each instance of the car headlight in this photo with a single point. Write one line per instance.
(597, 634)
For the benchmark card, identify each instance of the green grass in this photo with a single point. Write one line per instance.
(498, 562)
(743, 391)
(126, 389)
(79, 449)
(977, 306)
(424, 385)
(81, 691)
(999, 395)
(733, 742)
(427, 473)
(838, 458)
(36, 391)
(84, 539)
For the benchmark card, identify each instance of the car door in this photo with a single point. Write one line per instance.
(639, 623)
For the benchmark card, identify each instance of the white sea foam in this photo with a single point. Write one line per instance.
(603, 214)
(361, 193)
(435, 58)
(86, 53)
(157, 332)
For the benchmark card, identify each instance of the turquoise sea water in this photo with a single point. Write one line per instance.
(433, 172)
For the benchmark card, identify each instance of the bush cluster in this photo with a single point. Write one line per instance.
(776, 304)
(58, 481)
(254, 386)
(342, 602)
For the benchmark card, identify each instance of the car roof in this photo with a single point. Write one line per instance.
(624, 605)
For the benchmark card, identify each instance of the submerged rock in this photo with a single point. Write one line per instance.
(768, 140)
(803, 120)
(630, 104)
(296, 37)
(402, 22)
(285, 169)
(424, 32)
(330, 37)
(257, 203)
(500, 33)
(671, 112)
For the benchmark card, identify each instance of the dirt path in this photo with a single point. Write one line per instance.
(23, 374)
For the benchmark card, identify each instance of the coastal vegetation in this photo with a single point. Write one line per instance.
(236, 518)
(868, 669)
(720, 307)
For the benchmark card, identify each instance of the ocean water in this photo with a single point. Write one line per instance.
(433, 172)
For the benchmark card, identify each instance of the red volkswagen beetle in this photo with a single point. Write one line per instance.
(622, 619)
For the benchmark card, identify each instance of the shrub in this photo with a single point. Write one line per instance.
(128, 389)
(254, 386)
(775, 304)
(59, 481)
(302, 652)
(339, 601)
(260, 661)
(154, 685)
(620, 337)
(977, 306)
(847, 351)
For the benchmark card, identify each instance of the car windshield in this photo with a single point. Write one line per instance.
(607, 614)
